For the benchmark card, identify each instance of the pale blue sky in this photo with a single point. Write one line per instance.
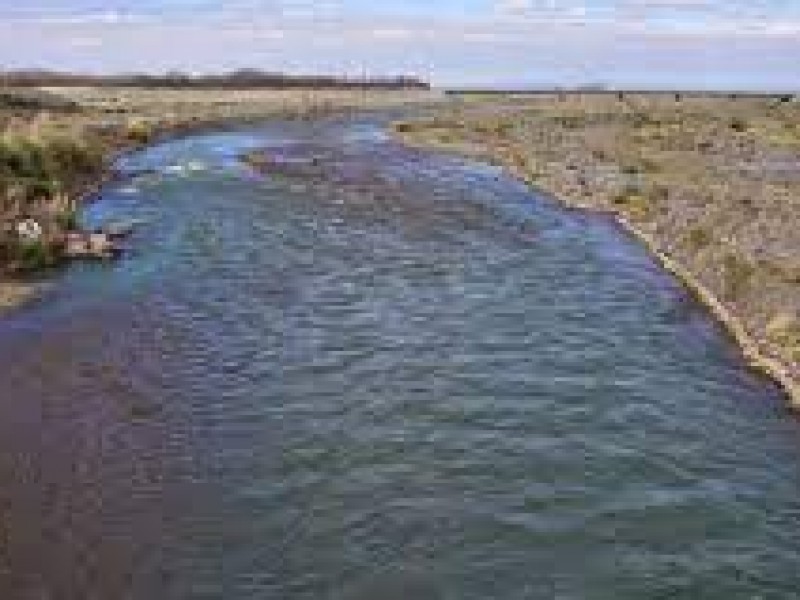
(651, 43)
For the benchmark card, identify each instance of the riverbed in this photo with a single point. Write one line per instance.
(369, 371)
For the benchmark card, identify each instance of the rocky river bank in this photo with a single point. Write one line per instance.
(710, 184)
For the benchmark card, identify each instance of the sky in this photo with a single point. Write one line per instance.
(705, 44)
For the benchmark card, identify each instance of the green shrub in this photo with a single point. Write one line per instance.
(68, 220)
(68, 157)
(21, 157)
(36, 189)
(48, 160)
(33, 256)
(40, 167)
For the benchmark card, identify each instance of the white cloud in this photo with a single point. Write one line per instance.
(86, 42)
(563, 43)
(108, 17)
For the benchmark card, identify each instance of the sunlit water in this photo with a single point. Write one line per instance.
(378, 373)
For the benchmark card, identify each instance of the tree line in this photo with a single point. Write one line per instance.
(240, 79)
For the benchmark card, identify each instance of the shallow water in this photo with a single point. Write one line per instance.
(379, 373)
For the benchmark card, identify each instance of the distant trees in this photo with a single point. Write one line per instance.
(240, 79)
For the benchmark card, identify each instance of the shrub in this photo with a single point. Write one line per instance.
(705, 145)
(698, 238)
(641, 120)
(139, 133)
(67, 220)
(630, 169)
(737, 273)
(46, 162)
(632, 203)
(21, 157)
(738, 125)
(784, 331)
(36, 189)
(68, 157)
(571, 122)
(33, 256)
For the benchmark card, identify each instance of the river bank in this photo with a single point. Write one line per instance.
(59, 146)
(708, 185)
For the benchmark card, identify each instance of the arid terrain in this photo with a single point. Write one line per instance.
(710, 183)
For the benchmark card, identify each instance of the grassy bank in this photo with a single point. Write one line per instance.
(710, 184)
(57, 144)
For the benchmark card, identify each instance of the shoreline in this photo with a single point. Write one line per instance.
(17, 290)
(754, 356)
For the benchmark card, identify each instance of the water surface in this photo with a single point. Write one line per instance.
(372, 373)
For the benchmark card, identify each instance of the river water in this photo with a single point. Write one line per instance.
(375, 373)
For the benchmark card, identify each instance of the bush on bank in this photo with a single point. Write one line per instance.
(39, 175)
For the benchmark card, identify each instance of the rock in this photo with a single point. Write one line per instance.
(90, 245)
(29, 230)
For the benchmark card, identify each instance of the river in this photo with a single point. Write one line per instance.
(374, 372)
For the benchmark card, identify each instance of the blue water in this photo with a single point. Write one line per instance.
(374, 372)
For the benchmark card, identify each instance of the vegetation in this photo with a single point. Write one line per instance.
(23, 99)
(784, 330)
(738, 125)
(34, 255)
(633, 203)
(36, 167)
(139, 132)
(404, 127)
(55, 142)
(737, 273)
(698, 238)
(240, 79)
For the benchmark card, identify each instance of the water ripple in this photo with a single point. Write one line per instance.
(373, 372)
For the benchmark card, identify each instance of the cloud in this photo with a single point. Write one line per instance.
(107, 17)
(514, 42)
(85, 42)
